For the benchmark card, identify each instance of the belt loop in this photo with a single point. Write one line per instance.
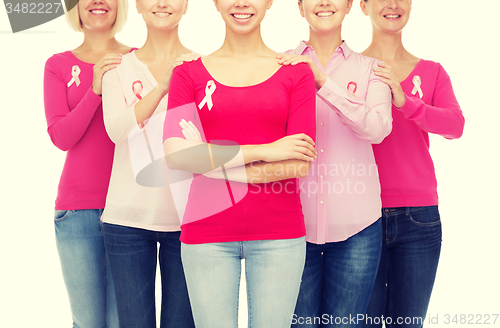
(407, 210)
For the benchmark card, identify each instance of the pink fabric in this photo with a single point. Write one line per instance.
(405, 166)
(281, 105)
(341, 194)
(75, 124)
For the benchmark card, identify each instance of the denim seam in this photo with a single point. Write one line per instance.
(64, 217)
(387, 242)
(428, 224)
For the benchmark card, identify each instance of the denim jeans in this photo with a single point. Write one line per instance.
(338, 280)
(272, 269)
(410, 255)
(133, 255)
(85, 268)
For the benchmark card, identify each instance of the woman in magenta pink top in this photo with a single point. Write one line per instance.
(341, 194)
(256, 122)
(72, 96)
(422, 102)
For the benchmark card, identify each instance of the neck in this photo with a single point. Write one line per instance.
(239, 45)
(324, 44)
(162, 45)
(96, 41)
(387, 47)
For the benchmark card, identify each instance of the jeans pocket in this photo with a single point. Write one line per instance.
(60, 216)
(425, 215)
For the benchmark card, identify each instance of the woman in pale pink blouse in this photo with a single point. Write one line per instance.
(140, 214)
(341, 195)
(423, 102)
(72, 96)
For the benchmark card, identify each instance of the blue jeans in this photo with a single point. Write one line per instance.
(272, 267)
(338, 280)
(85, 269)
(133, 255)
(410, 255)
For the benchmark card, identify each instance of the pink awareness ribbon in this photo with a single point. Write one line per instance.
(137, 89)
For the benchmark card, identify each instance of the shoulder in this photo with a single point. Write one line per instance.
(190, 70)
(129, 61)
(298, 72)
(61, 59)
(432, 69)
(364, 61)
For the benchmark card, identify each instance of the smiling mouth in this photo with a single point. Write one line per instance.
(325, 13)
(162, 13)
(98, 11)
(242, 16)
(392, 16)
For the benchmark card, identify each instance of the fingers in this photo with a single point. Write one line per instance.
(303, 136)
(190, 131)
(186, 130)
(189, 57)
(195, 130)
(287, 59)
(108, 60)
(307, 148)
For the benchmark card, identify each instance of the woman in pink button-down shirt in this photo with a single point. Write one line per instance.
(423, 102)
(341, 195)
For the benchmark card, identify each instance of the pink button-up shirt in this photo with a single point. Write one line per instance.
(341, 195)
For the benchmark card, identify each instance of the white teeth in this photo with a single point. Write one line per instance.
(98, 12)
(392, 16)
(161, 14)
(242, 16)
(324, 14)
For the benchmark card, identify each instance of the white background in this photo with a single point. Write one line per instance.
(459, 34)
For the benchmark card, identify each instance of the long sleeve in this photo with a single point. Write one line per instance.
(66, 127)
(444, 116)
(119, 118)
(370, 118)
(302, 106)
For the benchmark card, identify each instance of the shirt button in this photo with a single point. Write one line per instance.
(327, 96)
(322, 123)
(321, 202)
(322, 150)
(322, 176)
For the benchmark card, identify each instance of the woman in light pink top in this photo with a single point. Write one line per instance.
(341, 195)
(423, 102)
(72, 96)
(141, 224)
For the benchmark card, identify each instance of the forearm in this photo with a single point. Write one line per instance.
(200, 157)
(145, 108)
(67, 127)
(370, 118)
(446, 119)
(263, 172)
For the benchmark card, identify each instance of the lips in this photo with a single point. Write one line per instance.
(325, 13)
(162, 14)
(392, 16)
(98, 11)
(240, 16)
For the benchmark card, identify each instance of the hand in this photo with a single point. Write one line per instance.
(190, 131)
(297, 146)
(106, 63)
(187, 57)
(387, 76)
(319, 76)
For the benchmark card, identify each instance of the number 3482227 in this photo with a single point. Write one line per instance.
(33, 8)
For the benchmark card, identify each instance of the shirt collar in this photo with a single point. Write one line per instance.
(343, 49)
